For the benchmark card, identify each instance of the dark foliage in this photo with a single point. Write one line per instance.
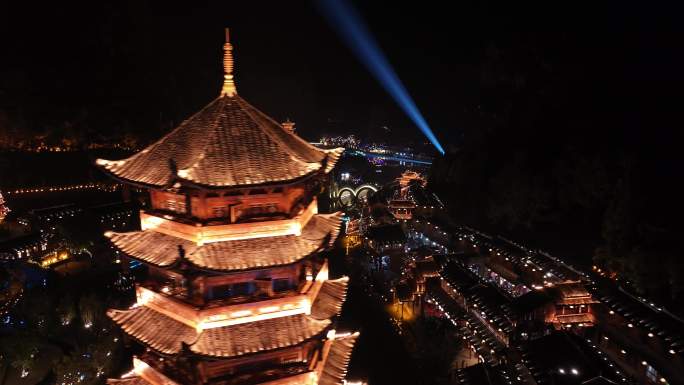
(574, 135)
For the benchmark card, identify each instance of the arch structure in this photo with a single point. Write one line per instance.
(348, 196)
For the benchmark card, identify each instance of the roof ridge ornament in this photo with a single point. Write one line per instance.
(228, 81)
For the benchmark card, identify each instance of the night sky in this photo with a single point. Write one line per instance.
(137, 63)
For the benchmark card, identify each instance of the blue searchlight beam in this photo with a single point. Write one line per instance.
(348, 24)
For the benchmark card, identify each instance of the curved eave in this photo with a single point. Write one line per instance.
(170, 337)
(334, 221)
(284, 182)
(333, 155)
(131, 182)
(170, 266)
(211, 357)
(190, 183)
(242, 270)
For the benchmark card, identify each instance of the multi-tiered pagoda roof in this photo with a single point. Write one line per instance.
(168, 335)
(236, 292)
(228, 143)
(161, 249)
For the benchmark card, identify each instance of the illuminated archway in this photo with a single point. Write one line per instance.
(346, 196)
(364, 191)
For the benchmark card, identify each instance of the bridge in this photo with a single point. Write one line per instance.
(390, 155)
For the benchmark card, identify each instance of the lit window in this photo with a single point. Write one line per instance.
(176, 205)
(220, 212)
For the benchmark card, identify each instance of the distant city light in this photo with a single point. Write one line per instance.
(348, 24)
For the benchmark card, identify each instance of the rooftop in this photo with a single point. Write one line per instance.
(228, 143)
(167, 335)
(163, 250)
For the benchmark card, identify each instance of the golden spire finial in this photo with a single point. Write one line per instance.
(228, 82)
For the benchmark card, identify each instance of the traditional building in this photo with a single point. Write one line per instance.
(402, 206)
(565, 304)
(237, 292)
(409, 177)
(401, 209)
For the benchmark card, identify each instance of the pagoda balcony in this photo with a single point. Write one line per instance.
(160, 371)
(219, 313)
(200, 233)
(180, 293)
(290, 374)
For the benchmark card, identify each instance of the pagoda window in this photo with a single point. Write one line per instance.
(221, 291)
(258, 191)
(259, 210)
(176, 205)
(242, 289)
(220, 212)
(281, 285)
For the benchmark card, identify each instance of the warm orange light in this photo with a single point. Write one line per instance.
(229, 232)
(228, 81)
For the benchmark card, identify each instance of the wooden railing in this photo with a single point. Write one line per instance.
(207, 318)
(201, 234)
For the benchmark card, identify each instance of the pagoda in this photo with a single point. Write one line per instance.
(237, 291)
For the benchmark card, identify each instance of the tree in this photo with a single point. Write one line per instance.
(90, 309)
(88, 362)
(19, 350)
(66, 310)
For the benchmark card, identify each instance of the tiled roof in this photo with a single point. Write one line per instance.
(236, 340)
(544, 356)
(227, 143)
(575, 318)
(576, 301)
(166, 335)
(156, 330)
(335, 369)
(162, 250)
(572, 289)
(127, 381)
(150, 246)
(330, 298)
(573, 293)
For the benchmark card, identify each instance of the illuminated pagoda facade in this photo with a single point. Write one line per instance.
(402, 206)
(237, 291)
